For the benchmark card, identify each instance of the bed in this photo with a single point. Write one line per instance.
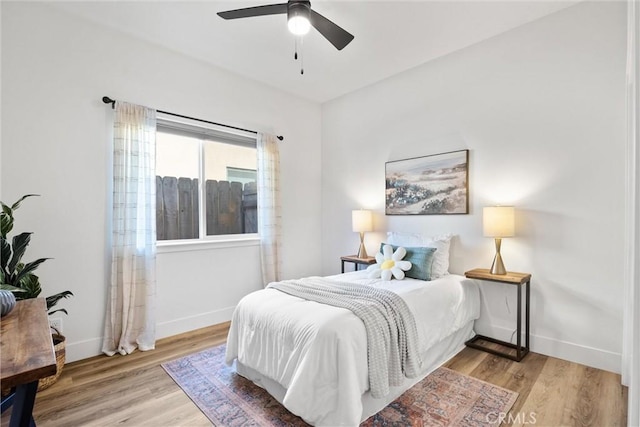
(312, 357)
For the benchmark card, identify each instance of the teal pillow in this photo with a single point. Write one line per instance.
(421, 261)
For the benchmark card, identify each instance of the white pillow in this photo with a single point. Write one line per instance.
(440, 265)
(404, 239)
(442, 243)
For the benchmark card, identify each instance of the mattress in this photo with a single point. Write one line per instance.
(317, 354)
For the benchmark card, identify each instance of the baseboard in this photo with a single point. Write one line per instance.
(594, 357)
(83, 349)
(190, 323)
(93, 347)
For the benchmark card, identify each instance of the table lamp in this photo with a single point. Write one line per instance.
(361, 221)
(498, 222)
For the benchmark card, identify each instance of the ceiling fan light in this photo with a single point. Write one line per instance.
(299, 25)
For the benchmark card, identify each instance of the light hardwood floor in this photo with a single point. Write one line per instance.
(135, 391)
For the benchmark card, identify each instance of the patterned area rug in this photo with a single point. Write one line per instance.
(443, 398)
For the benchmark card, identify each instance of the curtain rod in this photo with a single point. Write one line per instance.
(108, 100)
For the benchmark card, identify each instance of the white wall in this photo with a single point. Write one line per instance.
(55, 70)
(541, 109)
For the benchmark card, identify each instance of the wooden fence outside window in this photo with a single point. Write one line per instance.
(231, 208)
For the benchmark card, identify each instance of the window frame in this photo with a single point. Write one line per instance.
(204, 132)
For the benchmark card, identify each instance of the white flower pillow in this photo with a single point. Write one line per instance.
(389, 263)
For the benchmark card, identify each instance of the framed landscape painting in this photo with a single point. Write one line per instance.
(429, 185)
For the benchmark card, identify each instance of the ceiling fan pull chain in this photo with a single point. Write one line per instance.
(301, 55)
(295, 48)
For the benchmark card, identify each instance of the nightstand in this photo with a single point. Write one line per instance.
(357, 261)
(518, 280)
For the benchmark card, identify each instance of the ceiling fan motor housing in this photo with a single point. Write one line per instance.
(300, 8)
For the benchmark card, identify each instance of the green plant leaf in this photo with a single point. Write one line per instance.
(28, 268)
(53, 299)
(6, 209)
(20, 244)
(6, 224)
(30, 284)
(5, 253)
(16, 205)
(6, 217)
(60, 309)
(5, 287)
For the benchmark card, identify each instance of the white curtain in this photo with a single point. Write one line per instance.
(130, 318)
(269, 207)
(631, 320)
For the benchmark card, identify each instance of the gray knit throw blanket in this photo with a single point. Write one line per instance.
(392, 337)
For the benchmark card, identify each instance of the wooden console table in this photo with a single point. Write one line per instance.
(26, 355)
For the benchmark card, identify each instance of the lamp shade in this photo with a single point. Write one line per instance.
(361, 221)
(498, 221)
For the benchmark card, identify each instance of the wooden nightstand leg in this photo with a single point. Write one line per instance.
(519, 324)
(342, 261)
(528, 297)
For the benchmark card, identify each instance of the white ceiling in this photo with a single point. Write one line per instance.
(390, 36)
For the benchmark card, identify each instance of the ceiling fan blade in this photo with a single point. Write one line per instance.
(336, 35)
(269, 9)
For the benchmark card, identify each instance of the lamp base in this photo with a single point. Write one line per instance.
(362, 251)
(497, 267)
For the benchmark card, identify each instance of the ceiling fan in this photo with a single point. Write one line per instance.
(300, 18)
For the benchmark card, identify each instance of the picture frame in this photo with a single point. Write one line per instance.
(436, 184)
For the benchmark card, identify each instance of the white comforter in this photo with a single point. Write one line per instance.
(319, 352)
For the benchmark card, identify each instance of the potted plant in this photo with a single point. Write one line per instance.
(19, 278)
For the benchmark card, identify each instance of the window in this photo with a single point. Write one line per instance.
(241, 175)
(205, 183)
